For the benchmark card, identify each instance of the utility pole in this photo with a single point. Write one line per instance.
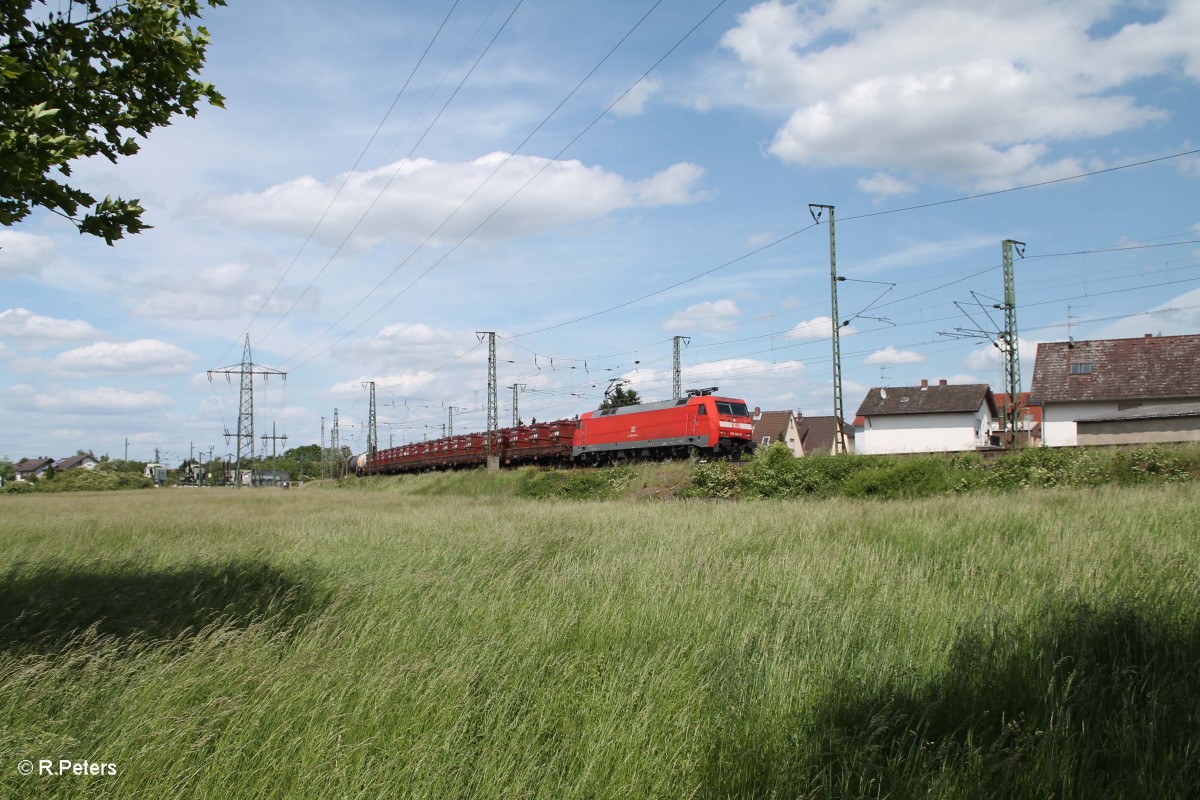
(372, 432)
(493, 404)
(1012, 350)
(449, 430)
(835, 321)
(516, 416)
(335, 448)
(677, 372)
(273, 439)
(245, 433)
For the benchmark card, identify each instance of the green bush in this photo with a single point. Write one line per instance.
(579, 484)
(775, 472)
(537, 484)
(716, 479)
(83, 480)
(909, 479)
(1144, 465)
(18, 487)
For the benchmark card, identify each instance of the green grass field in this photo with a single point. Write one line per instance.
(399, 640)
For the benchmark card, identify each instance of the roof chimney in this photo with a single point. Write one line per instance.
(924, 383)
(1149, 335)
(942, 382)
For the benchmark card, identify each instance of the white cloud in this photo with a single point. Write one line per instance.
(757, 240)
(924, 253)
(989, 357)
(883, 185)
(759, 383)
(410, 199)
(1179, 315)
(634, 101)
(814, 329)
(974, 93)
(140, 357)
(676, 185)
(705, 316)
(101, 400)
(24, 254)
(224, 291)
(36, 332)
(891, 355)
(410, 348)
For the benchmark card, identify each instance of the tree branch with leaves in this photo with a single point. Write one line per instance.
(91, 81)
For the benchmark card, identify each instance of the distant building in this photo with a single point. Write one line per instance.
(80, 461)
(156, 473)
(266, 477)
(1144, 425)
(1103, 380)
(28, 469)
(1029, 426)
(818, 435)
(926, 419)
(777, 426)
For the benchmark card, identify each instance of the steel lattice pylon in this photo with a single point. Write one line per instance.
(1011, 341)
(493, 401)
(838, 416)
(677, 368)
(247, 369)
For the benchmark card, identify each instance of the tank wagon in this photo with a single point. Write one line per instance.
(703, 425)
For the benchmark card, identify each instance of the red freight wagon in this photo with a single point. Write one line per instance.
(704, 423)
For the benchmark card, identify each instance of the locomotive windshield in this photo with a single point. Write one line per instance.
(733, 409)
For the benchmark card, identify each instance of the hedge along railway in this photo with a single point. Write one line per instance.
(698, 425)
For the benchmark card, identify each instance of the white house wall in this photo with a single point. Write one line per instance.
(924, 433)
(1058, 420)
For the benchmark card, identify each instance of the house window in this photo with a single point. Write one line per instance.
(1081, 368)
(766, 440)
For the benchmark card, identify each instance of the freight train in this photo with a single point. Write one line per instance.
(697, 425)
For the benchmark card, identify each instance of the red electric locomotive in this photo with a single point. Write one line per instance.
(700, 424)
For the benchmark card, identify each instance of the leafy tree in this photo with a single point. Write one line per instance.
(309, 452)
(83, 82)
(620, 397)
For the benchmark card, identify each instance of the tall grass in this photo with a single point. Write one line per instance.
(380, 644)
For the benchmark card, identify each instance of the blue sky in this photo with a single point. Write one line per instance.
(361, 217)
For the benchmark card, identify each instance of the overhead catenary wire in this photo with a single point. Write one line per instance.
(341, 187)
(785, 333)
(441, 259)
(354, 228)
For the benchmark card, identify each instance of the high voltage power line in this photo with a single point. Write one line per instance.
(437, 262)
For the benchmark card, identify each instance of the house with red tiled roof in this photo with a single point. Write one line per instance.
(1029, 427)
(1139, 388)
(926, 419)
(818, 435)
(777, 426)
